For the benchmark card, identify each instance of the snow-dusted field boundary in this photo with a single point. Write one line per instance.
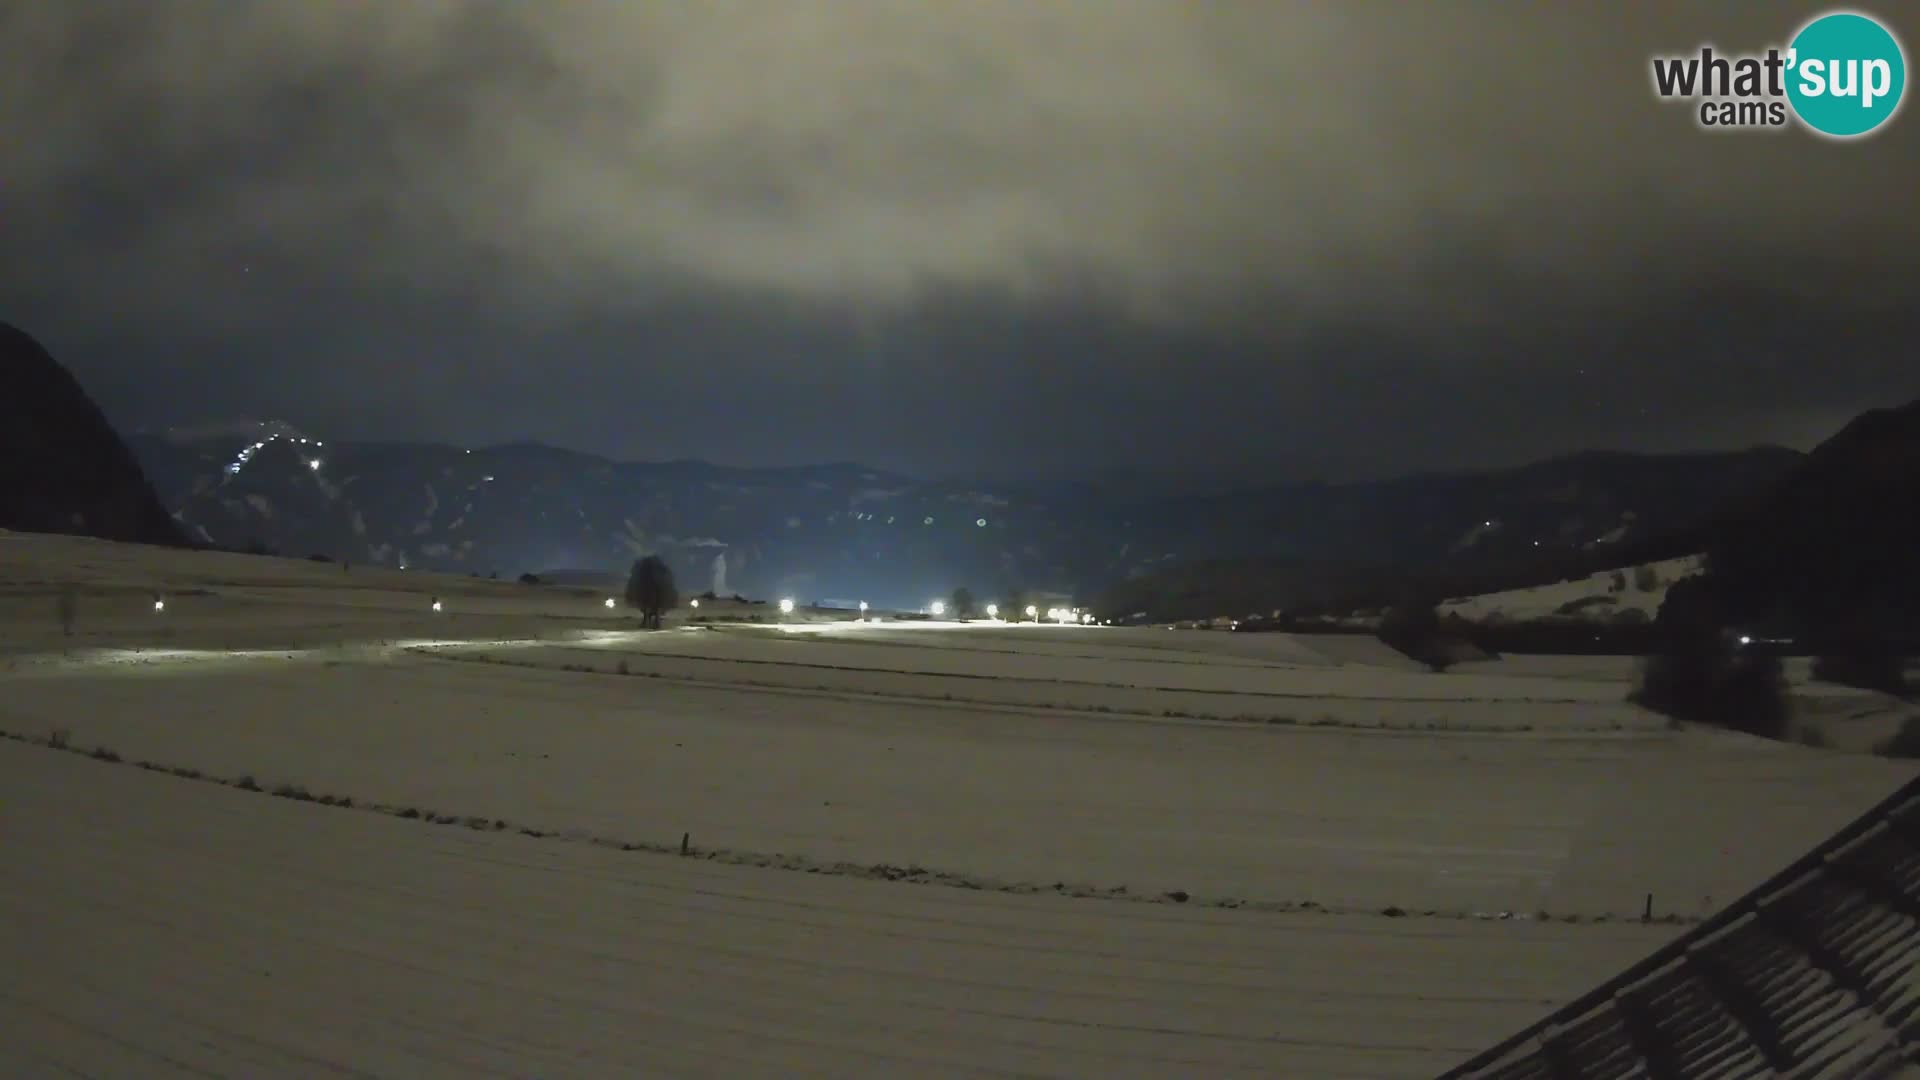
(911, 874)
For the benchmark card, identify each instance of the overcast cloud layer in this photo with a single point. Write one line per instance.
(1288, 239)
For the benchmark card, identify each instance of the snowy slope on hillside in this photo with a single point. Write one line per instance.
(1604, 596)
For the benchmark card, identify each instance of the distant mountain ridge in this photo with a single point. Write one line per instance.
(845, 530)
(62, 467)
(812, 530)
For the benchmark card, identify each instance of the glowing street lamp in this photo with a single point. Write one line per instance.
(159, 605)
(1032, 612)
(609, 601)
(938, 607)
(863, 607)
(695, 602)
(786, 605)
(436, 603)
(993, 611)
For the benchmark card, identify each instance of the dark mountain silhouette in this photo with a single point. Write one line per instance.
(1836, 542)
(1822, 547)
(846, 531)
(62, 467)
(1331, 549)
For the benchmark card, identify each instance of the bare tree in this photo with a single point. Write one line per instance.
(962, 600)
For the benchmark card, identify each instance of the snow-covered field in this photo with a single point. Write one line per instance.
(1603, 596)
(1112, 852)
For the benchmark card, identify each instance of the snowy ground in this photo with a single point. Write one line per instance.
(1602, 596)
(1300, 871)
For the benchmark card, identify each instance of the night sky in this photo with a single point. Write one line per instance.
(1243, 241)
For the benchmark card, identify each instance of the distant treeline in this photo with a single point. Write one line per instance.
(1239, 588)
(1549, 637)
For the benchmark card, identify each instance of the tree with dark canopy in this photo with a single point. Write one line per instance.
(963, 604)
(1678, 678)
(1695, 675)
(650, 588)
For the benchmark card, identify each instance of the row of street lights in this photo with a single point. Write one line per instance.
(938, 607)
(787, 605)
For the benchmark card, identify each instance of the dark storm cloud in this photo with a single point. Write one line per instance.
(1237, 221)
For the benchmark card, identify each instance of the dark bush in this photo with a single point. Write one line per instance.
(1414, 629)
(1752, 697)
(1862, 657)
(1904, 743)
(1884, 672)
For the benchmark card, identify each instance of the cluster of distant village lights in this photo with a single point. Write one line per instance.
(247, 452)
(246, 455)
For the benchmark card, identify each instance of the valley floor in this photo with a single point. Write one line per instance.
(1112, 852)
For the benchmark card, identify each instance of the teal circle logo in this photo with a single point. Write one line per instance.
(1846, 75)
